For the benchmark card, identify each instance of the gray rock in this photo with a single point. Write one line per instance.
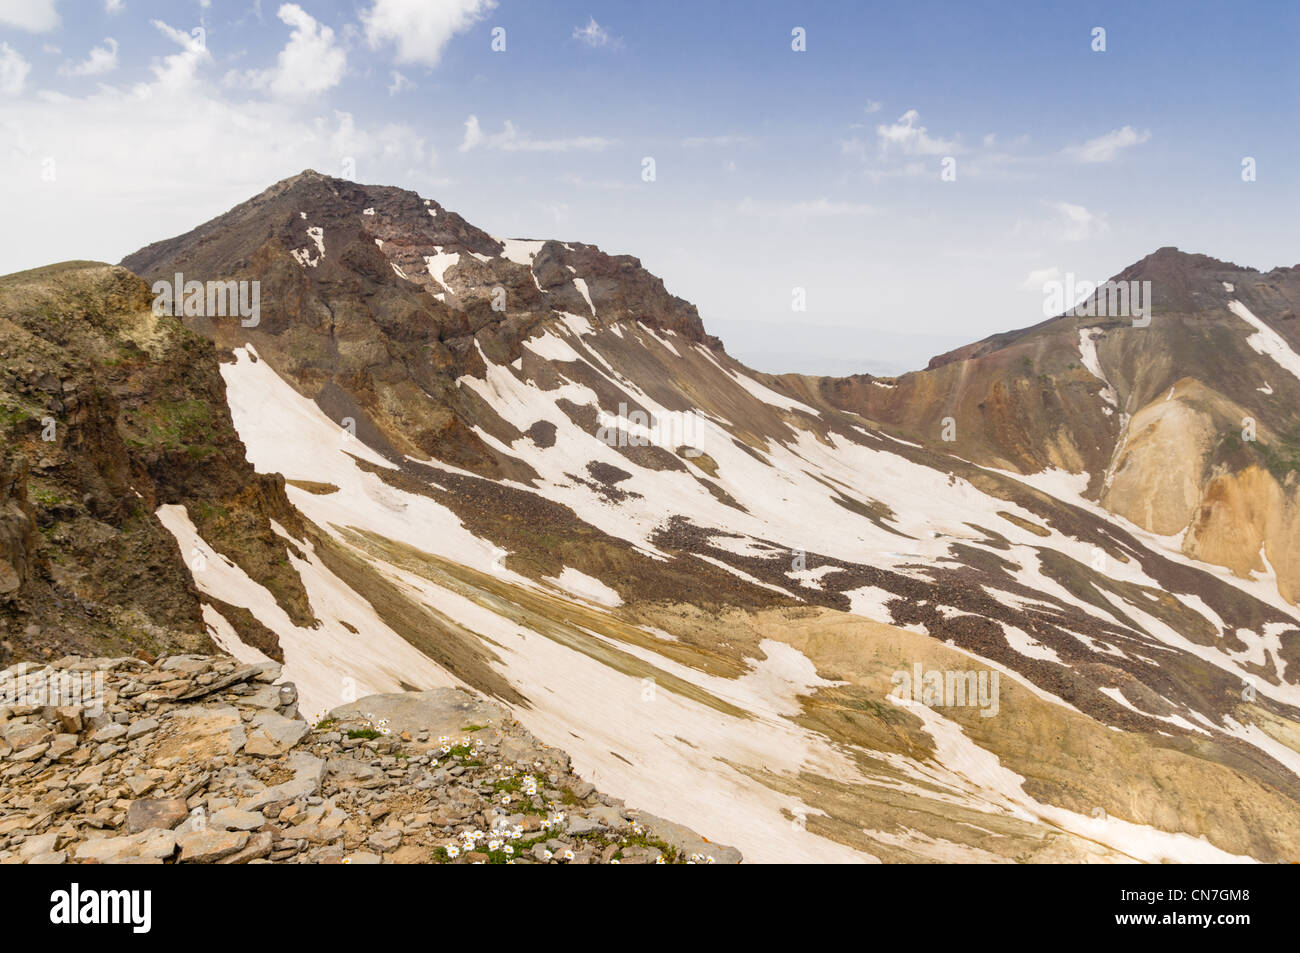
(439, 711)
(687, 842)
(19, 736)
(155, 813)
(309, 773)
(109, 733)
(259, 845)
(234, 819)
(206, 847)
(152, 844)
(40, 844)
(576, 824)
(141, 727)
(272, 734)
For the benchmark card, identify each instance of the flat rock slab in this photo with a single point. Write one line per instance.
(148, 845)
(199, 734)
(308, 773)
(687, 841)
(439, 711)
(233, 819)
(160, 813)
(271, 734)
(208, 847)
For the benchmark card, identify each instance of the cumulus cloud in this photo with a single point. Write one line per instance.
(13, 71)
(510, 139)
(178, 71)
(1076, 223)
(1107, 147)
(399, 84)
(310, 63)
(594, 35)
(34, 16)
(420, 29)
(1065, 222)
(909, 137)
(114, 6)
(102, 59)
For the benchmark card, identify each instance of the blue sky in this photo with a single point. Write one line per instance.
(775, 169)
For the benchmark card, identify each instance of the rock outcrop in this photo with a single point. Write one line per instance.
(108, 411)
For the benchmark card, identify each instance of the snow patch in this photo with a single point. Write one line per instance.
(521, 251)
(1266, 341)
(586, 587)
(439, 262)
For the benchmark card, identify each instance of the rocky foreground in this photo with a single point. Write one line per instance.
(199, 759)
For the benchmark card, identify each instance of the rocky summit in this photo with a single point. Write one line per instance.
(197, 759)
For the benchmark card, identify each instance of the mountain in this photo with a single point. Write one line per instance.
(950, 615)
(1188, 426)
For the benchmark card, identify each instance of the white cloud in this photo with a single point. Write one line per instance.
(114, 6)
(1077, 223)
(1066, 223)
(102, 59)
(510, 139)
(34, 16)
(910, 138)
(594, 35)
(1107, 147)
(13, 71)
(1039, 277)
(399, 84)
(178, 71)
(872, 106)
(140, 161)
(310, 63)
(421, 29)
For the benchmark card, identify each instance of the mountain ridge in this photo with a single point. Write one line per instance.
(675, 567)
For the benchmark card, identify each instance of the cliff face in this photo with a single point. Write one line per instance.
(107, 412)
(1246, 518)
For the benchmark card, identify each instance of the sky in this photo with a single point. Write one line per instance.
(839, 187)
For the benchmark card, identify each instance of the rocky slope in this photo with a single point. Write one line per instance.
(198, 759)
